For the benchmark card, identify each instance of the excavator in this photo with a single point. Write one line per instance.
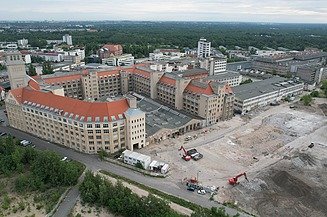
(233, 181)
(186, 157)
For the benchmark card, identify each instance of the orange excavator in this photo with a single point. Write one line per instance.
(186, 157)
(233, 181)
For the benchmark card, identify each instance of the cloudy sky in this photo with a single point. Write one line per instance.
(289, 11)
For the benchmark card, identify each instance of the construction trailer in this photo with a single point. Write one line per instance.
(157, 166)
(132, 158)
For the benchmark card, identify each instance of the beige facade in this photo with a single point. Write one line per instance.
(52, 107)
(171, 89)
(90, 86)
(16, 70)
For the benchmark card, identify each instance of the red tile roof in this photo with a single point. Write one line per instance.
(166, 80)
(74, 106)
(141, 72)
(59, 79)
(18, 94)
(33, 84)
(200, 90)
(106, 73)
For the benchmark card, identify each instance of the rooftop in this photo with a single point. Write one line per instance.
(222, 76)
(199, 87)
(159, 117)
(77, 109)
(257, 88)
(191, 72)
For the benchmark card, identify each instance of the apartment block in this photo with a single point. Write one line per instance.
(204, 48)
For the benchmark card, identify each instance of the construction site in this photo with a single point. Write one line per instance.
(269, 162)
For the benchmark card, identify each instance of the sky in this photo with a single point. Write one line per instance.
(280, 11)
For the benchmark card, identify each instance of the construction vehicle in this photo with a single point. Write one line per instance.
(185, 156)
(234, 180)
(192, 184)
(192, 153)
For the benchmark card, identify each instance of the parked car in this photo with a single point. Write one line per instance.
(3, 134)
(202, 191)
(64, 159)
(25, 143)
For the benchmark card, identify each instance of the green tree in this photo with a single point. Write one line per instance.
(2, 67)
(246, 81)
(31, 70)
(47, 68)
(314, 94)
(102, 154)
(306, 99)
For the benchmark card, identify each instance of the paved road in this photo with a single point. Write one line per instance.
(70, 200)
(93, 163)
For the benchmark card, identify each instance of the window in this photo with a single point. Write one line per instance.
(97, 131)
(105, 131)
(105, 125)
(89, 125)
(97, 125)
(98, 137)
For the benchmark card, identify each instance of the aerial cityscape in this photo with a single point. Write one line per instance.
(184, 108)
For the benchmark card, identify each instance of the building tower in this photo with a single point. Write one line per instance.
(68, 39)
(16, 70)
(204, 48)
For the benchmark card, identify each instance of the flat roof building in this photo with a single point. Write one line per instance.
(262, 93)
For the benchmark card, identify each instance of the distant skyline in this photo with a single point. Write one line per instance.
(278, 11)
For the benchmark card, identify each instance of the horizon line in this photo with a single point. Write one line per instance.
(163, 21)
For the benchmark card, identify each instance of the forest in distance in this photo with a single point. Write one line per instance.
(140, 38)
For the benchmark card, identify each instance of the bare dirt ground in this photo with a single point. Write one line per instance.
(286, 178)
(19, 205)
(88, 211)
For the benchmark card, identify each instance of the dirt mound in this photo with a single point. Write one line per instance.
(291, 184)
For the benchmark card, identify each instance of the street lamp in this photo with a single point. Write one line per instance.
(197, 175)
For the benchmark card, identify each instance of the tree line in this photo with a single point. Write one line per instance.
(140, 38)
(121, 201)
(37, 170)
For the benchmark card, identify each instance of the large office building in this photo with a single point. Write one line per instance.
(86, 126)
(204, 48)
(232, 78)
(214, 65)
(262, 93)
(282, 64)
(92, 109)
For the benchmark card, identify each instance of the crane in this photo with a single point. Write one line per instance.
(186, 157)
(233, 181)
